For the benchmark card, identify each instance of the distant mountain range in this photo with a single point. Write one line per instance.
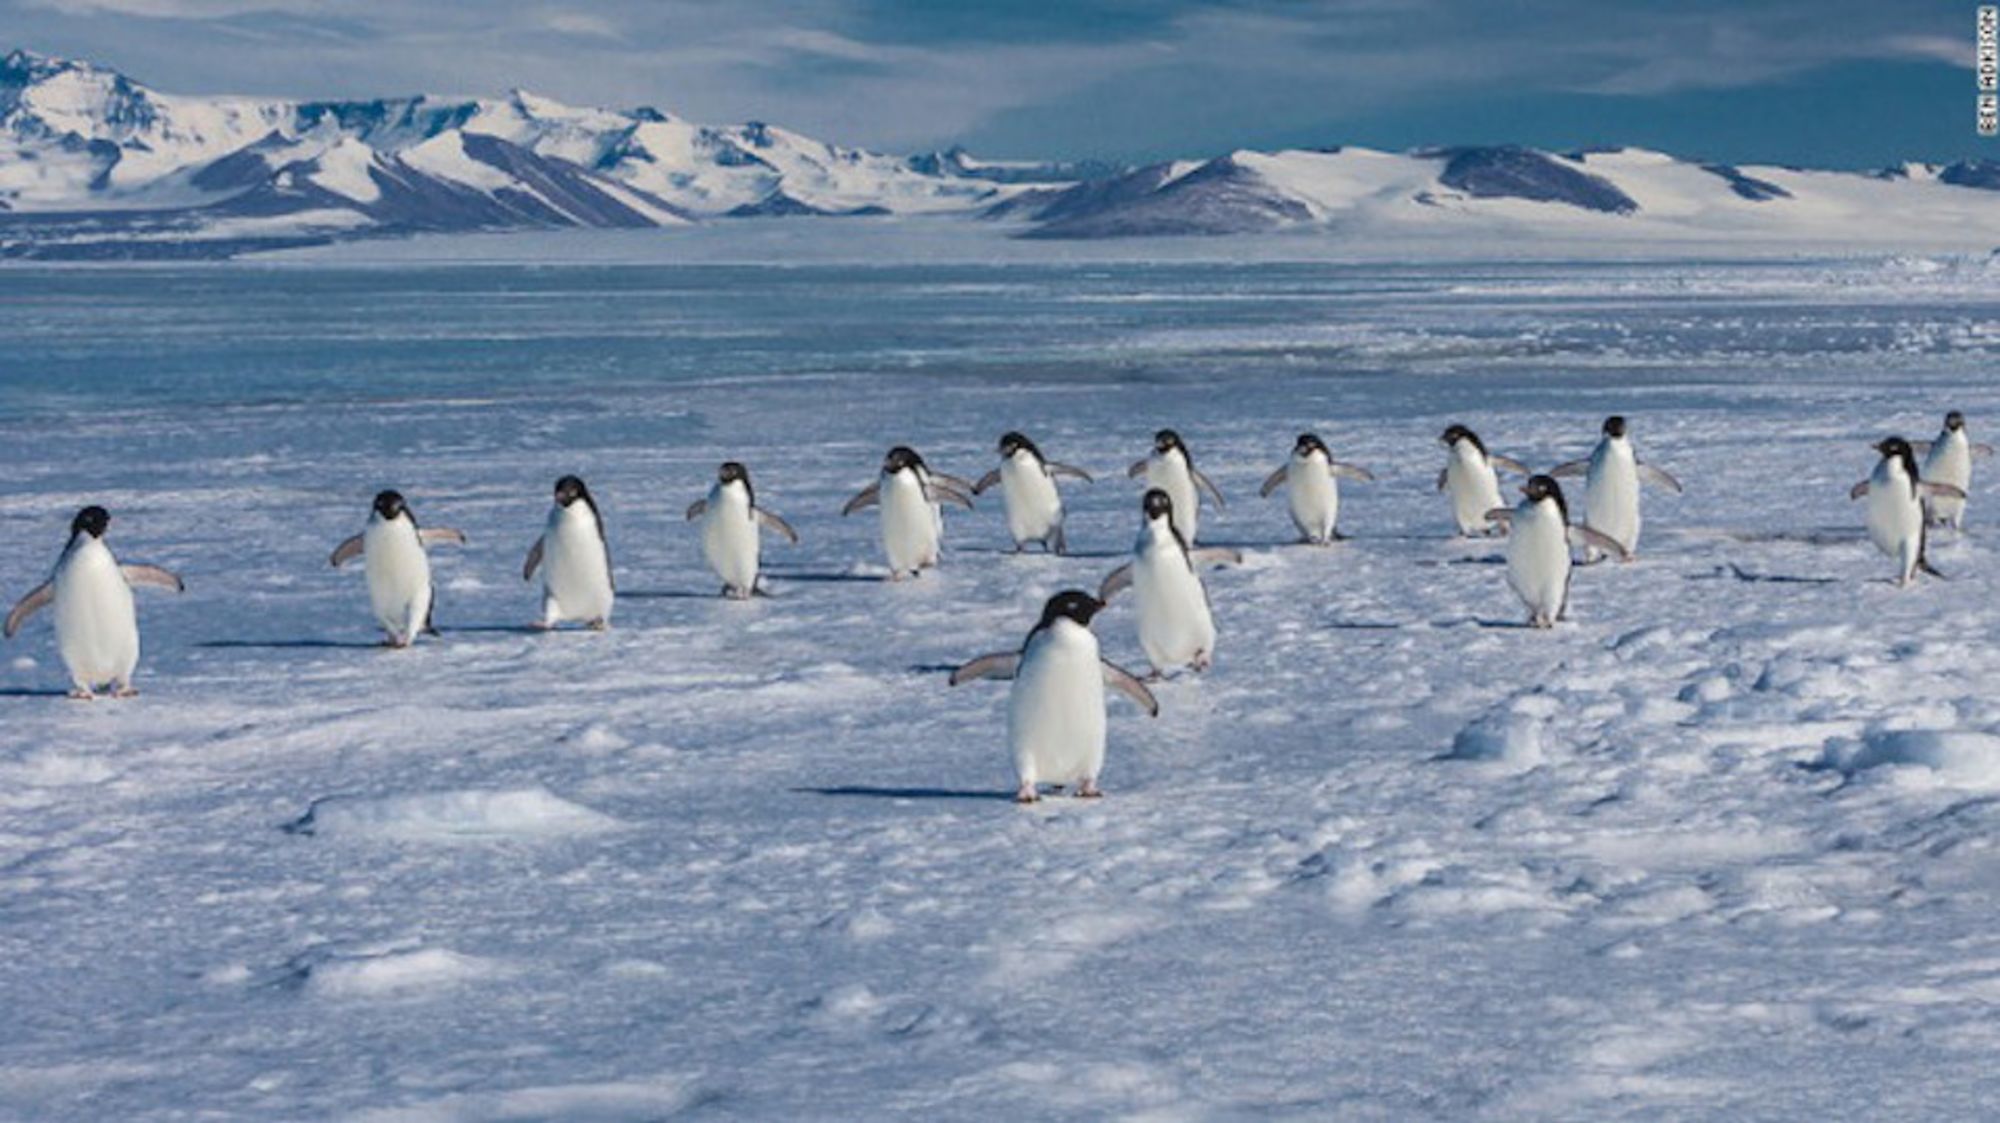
(95, 165)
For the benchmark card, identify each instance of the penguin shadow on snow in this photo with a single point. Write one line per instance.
(1735, 572)
(292, 644)
(31, 692)
(868, 792)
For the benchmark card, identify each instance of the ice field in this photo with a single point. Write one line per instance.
(1724, 846)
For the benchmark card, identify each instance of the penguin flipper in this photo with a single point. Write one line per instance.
(1858, 490)
(1071, 471)
(1590, 536)
(1937, 490)
(1570, 469)
(999, 664)
(1273, 482)
(1509, 463)
(1213, 555)
(1137, 469)
(153, 576)
(697, 509)
(347, 551)
(1444, 474)
(1502, 515)
(1352, 471)
(1922, 448)
(431, 535)
(534, 560)
(937, 490)
(1117, 579)
(37, 599)
(1982, 449)
(866, 497)
(958, 482)
(991, 478)
(1207, 485)
(775, 523)
(1658, 477)
(1128, 684)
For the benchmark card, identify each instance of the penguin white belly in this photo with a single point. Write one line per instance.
(1034, 509)
(1170, 474)
(97, 629)
(399, 577)
(1055, 713)
(909, 524)
(1314, 497)
(1538, 563)
(1896, 523)
(1950, 462)
(1611, 497)
(1473, 487)
(576, 571)
(729, 540)
(1175, 627)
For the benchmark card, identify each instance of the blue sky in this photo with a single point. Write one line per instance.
(1846, 83)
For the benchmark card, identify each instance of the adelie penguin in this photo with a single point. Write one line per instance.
(1896, 521)
(574, 560)
(1311, 479)
(1469, 480)
(1176, 628)
(909, 494)
(1948, 460)
(1539, 537)
(1055, 710)
(97, 626)
(1027, 483)
(730, 518)
(1612, 475)
(1171, 469)
(391, 548)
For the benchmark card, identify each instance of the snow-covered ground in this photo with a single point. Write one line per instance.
(1722, 847)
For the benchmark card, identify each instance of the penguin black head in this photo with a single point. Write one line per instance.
(1455, 433)
(1011, 443)
(569, 489)
(1898, 449)
(1614, 426)
(1157, 504)
(389, 504)
(1309, 443)
(901, 458)
(1166, 440)
(1954, 421)
(91, 520)
(1539, 488)
(732, 472)
(1070, 604)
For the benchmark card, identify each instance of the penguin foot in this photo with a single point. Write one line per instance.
(1089, 790)
(599, 625)
(82, 694)
(1027, 794)
(541, 626)
(125, 690)
(1201, 662)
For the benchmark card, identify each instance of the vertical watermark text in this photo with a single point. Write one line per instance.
(1986, 68)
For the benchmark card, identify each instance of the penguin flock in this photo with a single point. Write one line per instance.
(1056, 707)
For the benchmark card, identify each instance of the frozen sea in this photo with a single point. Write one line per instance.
(1724, 846)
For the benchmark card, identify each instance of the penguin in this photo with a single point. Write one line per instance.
(1948, 460)
(574, 559)
(1896, 520)
(1027, 484)
(97, 627)
(1469, 479)
(1176, 628)
(1055, 709)
(1171, 469)
(1539, 537)
(910, 496)
(1611, 492)
(1308, 478)
(729, 518)
(399, 571)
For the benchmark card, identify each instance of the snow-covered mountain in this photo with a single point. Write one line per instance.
(89, 157)
(95, 164)
(1510, 192)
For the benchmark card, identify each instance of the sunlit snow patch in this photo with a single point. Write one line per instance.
(1957, 758)
(396, 973)
(467, 815)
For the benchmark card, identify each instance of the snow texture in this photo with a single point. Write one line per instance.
(1721, 846)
